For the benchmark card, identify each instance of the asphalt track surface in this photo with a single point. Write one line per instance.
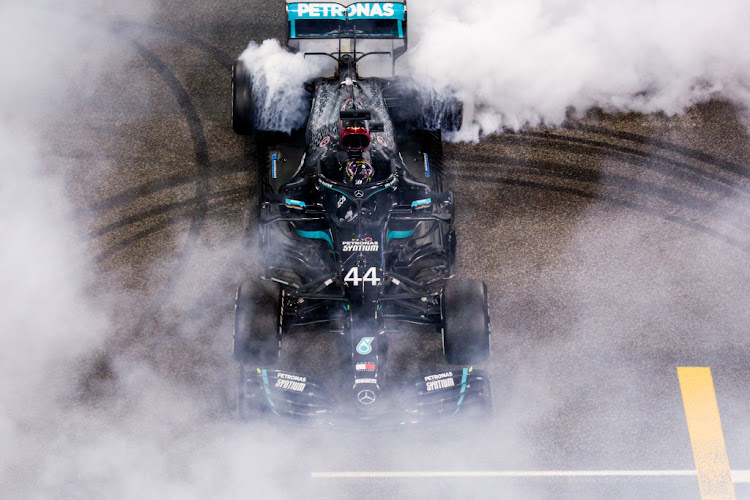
(615, 250)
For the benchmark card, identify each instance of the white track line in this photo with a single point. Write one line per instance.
(738, 476)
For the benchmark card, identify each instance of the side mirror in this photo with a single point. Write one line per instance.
(376, 127)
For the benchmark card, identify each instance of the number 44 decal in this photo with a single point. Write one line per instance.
(371, 276)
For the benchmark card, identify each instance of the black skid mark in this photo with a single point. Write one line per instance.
(202, 163)
(130, 30)
(606, 199)
(567, 172)
(649, 161)
(693, 154)
(190, 207)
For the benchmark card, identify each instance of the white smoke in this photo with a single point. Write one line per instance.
(158, 437)
(542, 61)
(151, 418)
(278, 78)
(516, 63)
(48, 323)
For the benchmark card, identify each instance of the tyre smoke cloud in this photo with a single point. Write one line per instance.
(118, 440)
(533, 62)
(85, 411)
(278, 78)
(153, 435)
(49, 324)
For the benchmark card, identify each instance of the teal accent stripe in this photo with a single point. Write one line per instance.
(334, 189)
(399, 234)
(295, 204)
(376, 192)
(264, 374)
(316, 235)
(464, 377)
(293, 29)
(401, 31)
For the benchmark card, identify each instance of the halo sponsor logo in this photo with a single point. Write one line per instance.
(361, 367)
(360, 245)
(365, 381)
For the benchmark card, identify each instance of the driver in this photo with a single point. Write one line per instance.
(358, 172)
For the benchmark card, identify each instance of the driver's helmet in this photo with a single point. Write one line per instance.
(358, 172)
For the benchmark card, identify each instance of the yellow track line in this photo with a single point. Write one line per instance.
(706, 437)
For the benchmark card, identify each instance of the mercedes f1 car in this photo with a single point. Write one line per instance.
(356, 234)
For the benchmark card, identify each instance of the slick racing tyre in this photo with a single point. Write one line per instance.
(440, 112)
(466, 332)
(243, 106)
(414, 107)
(257, 333)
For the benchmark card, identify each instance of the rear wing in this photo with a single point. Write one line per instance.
(357, 20)
(348, 20)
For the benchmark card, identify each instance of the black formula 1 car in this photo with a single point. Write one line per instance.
(356, 235)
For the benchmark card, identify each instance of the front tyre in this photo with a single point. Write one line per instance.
(466, 320)
(257, 327)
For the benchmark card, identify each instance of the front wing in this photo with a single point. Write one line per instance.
(294, 398)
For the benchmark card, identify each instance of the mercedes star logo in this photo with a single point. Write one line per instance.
(359, 193)
(366, 397)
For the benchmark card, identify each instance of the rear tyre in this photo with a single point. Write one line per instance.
(414, 107)
(466, 332)
(431, 145)
(243, 106)
(440, 112)
(257, 330)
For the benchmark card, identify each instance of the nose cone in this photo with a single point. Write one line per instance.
(367, 397)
